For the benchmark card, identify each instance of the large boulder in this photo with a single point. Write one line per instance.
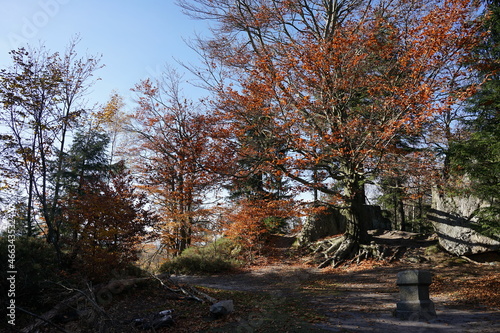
(452, 218)
(374, 218)
(329, 221)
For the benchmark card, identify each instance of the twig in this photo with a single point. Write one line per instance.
(89, 298)
(180, 289)
(42, 319)
(164, 285)
(208, 297)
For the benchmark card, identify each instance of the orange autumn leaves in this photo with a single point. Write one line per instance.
(326, 94)
(252, 220)
(108, 221)
(177, 160)
(344, 92)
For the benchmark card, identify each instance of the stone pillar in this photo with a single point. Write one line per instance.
(414, 293)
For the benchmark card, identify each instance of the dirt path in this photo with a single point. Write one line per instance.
(363, 300)
(353, 302)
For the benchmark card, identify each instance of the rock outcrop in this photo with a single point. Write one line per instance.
(331, 222)
(452, 218)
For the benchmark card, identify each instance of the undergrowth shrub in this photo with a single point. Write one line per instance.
(103, 265)
(217, 257)
(37, 271)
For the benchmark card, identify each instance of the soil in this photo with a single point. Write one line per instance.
(362, 298)
(283, 292)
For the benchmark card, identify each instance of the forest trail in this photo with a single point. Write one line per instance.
(283, 292)
(361, 298)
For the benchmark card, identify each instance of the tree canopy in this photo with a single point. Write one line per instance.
(338, 87)
(306, 96)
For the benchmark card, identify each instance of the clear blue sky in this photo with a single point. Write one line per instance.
(135, 37)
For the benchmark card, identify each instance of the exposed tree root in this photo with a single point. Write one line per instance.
(473, 261)
(339, 250)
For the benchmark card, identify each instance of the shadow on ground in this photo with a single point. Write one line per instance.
(359, 300)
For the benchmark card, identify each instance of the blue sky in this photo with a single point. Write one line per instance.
(135, 37)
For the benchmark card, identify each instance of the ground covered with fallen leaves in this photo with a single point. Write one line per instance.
(283, 292)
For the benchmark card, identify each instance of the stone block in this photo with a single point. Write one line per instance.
(414, 301)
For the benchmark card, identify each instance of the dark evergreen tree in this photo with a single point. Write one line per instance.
(87, 159)
(478, 157)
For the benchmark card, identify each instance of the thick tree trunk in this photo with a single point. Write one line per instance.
(356, 228)
(353, 217)
(184, 238)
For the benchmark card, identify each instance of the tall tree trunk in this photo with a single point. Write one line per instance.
(356, 227)
(29, 215)
(184, 239)
(402, 214)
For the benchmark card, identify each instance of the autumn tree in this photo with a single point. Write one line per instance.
(340, 84)
(251, 220)
(112, 118)
(257, 195)
(104, 216)
(108, 220)
(175, 156)
(42, 100)
(28, 91)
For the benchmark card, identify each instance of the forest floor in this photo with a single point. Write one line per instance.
(362, 298)
(283, 292)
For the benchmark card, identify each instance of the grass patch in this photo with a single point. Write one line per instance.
(198, 264)
(217, 257)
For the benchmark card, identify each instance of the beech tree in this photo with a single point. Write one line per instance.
(108, 220)
(343, 85)
(42, 100)
(174, 158)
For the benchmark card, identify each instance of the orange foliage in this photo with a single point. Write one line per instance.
(333, 93)
(107, 222)
(175, 159)
(340, 91)
(246, 222)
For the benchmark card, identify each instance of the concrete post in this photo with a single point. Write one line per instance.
(414, 294)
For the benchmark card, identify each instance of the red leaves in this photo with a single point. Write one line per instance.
(107, 222)
(246, 222)
(342, 93)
